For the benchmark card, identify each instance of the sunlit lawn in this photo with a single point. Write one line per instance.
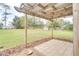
(12, 38)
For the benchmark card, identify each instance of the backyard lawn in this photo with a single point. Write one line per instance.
(11, 38)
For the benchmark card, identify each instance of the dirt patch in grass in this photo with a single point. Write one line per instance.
(67, 40)
(19, 48)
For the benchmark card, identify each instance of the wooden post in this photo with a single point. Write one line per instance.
(26, 30)
(52, 29)
(76, 29)
(28, 51)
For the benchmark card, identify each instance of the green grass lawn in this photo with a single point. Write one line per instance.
(14, 37)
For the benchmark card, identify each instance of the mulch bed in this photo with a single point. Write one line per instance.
(19, 48)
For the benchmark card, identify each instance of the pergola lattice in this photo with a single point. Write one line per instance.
(46, 10)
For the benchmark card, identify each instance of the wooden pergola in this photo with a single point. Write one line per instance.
(51, 11)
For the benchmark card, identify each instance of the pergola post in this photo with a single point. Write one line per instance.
(28, 51)
(52, 29)
(76, 29)
(26, 30)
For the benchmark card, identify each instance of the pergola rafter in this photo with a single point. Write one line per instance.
(46, 10)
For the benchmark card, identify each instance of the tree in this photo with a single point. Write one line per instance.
(1, 25)
(5, 12)
(37, 23)
(16, 22)
(56, 24)
(61, 24)
(68, 25)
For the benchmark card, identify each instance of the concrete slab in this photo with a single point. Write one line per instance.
(55, 48)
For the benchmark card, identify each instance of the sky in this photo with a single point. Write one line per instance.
(14, 12)
(70, 19)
